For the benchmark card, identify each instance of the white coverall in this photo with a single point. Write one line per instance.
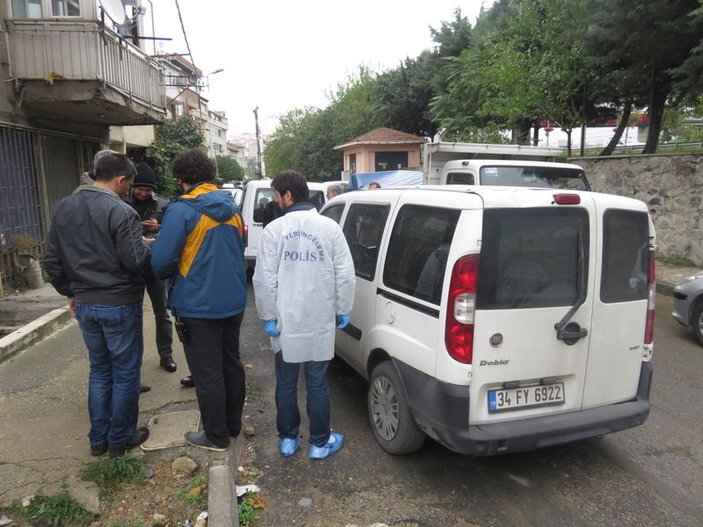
(304, 277)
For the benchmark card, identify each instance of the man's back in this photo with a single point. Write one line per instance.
(96, 241)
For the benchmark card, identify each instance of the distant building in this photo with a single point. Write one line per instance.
(381, 149)
(217, 134)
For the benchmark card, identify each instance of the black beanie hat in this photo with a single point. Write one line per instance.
(146, 177)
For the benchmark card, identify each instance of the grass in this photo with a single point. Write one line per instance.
(196, 494)
(677, 260)
(248, 507)
(59, 510)
(111, 474)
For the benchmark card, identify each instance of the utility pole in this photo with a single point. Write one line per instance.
(259, 175)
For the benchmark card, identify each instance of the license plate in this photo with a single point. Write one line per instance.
(525, 397)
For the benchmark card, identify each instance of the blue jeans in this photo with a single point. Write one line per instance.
(318, 399)
(113, 336)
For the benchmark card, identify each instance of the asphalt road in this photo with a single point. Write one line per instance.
(647, 476)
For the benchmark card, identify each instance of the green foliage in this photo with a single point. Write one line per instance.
(111, 474)
(57, 510)
(228, 169)
(172, 138)
(247, 509)
(306, 137)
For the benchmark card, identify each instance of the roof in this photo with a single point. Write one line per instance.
(383, 136)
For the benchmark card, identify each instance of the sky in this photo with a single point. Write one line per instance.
(278, 55)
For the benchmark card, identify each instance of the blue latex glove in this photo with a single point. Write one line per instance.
(342, 321)
(270, 328)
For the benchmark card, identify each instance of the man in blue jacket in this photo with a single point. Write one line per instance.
(200, 249)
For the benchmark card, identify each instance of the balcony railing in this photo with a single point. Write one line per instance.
(83, 50)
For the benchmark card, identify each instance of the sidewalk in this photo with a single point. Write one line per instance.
(44, 415)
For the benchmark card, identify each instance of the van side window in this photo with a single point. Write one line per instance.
(530, 257)
(460, 178)
(334, 212)
(317, 198)
(625, 256)
(363, 230)
(418, 249)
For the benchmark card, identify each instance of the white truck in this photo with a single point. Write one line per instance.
(446, 163)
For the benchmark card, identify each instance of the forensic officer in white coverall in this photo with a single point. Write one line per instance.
(304, 288)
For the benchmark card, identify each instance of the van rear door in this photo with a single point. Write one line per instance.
(536, 270)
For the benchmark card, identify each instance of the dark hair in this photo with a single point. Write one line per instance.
(193, 166)
(292, 181)
(110, 166)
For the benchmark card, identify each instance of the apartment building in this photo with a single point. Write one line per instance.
(71, 72)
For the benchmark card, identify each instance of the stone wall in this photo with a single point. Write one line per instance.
(672, 187)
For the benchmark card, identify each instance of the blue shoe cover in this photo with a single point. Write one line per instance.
(288, 446)
(333, 445)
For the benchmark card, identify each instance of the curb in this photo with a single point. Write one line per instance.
(222, 507)
(32, 332)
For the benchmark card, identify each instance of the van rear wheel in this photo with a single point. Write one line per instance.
(391, 419)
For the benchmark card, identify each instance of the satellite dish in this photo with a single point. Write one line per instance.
(115, 11)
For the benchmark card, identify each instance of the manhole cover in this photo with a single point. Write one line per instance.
(167, 430)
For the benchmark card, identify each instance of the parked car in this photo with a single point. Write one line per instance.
(257, 194)
(688, 304)
(498, 319)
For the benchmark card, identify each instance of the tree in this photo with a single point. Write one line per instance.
(648, 46)
(229, 169)
(172, 138)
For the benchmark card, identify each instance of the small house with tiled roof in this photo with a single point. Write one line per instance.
(381, 149)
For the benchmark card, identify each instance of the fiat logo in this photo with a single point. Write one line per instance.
(496, 340)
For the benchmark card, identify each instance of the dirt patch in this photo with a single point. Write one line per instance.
(162, 498)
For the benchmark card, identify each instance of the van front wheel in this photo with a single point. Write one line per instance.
(391, 420)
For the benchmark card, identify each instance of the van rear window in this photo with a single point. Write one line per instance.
(530, 257)
(535, 176)
(625, 256)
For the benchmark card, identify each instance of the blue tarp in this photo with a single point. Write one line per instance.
(387, 178)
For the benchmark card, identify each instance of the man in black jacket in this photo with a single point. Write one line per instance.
(95, 255)
(150, 208)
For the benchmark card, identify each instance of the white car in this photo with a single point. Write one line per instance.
(498, 319)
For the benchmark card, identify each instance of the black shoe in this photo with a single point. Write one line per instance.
(168, 364)
(141, 435)
(200, 440)
(143, 388)
(188, 381)
(97, 450)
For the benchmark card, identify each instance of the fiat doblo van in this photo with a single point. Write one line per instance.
(498, 319)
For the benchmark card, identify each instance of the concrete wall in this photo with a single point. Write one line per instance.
(672, 186)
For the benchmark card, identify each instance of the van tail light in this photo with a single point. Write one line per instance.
(651, 282)
(567, 199)
(459, 327)
(245, 235)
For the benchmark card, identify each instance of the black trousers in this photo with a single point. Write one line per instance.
(164, 329)
(212, 352)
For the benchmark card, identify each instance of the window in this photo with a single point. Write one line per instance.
(418, 250)
(532, 257)
(27, 9)
(317, 198)
(65, 8)
(334, 212)
(363, 230)
(460, 178)
(625, 256)
(534, 176)
(391, 160)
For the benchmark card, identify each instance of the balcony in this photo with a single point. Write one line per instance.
(81, 72)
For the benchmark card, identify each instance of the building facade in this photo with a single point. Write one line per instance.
(71, 73)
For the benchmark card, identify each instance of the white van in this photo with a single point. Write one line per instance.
(257, 194)
(498, 319)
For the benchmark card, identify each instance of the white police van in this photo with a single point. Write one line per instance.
(498, 319)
